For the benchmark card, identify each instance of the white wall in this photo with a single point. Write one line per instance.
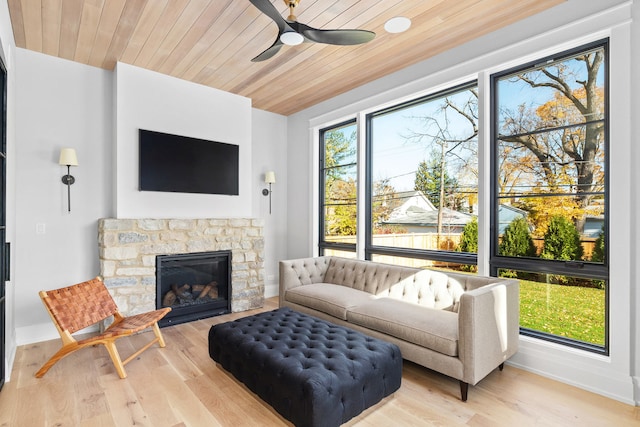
(58, 104)
(567, 25)
(269, 135)
(153, 101)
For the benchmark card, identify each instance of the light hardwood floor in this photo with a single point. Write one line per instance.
(181, 386)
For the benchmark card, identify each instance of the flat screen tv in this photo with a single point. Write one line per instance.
(181, 164)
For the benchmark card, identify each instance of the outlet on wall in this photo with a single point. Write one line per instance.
(41, 228)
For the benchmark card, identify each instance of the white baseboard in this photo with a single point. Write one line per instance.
(575, 367)
(42, 332)
(271, 290)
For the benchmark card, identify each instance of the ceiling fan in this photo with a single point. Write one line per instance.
(292, 32)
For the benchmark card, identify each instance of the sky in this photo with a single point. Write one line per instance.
(396, 156)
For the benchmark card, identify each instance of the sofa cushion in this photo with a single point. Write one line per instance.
(327, 298)
(433, 289)
(429, 288)
(423, 326)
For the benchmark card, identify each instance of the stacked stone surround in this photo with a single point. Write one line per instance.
(128, 249)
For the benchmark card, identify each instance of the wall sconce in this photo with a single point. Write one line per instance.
(269, 178)
(68, 158)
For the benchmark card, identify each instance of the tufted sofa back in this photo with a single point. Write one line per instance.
(431, 288)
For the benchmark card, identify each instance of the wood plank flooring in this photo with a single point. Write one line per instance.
(181, 386)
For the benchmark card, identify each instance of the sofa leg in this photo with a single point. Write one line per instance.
(501, 367)
(464, 389)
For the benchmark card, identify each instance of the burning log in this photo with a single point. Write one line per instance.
(169, 299)
(186, 294)
(182, 291)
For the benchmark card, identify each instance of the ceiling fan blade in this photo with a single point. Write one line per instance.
(270, 52)
(339, 37)
(266, 7)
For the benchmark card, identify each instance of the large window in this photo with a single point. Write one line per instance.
(550, 217)
(548, 221)
(338, 189)
(423, 180)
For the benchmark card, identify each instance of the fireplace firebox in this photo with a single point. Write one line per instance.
(194, 285)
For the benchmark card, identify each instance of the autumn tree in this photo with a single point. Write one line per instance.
(341, 188)
(339, 182)
(341, 220)
(559, 144)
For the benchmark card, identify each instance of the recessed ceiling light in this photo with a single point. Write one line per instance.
(291, 38)
(398, 24)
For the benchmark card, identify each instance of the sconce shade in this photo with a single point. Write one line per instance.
(68, 157)
(270, 177)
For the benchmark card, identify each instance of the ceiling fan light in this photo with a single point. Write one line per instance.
(291, 38)
(399, 24)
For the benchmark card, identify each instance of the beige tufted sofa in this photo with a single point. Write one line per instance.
(461, 325)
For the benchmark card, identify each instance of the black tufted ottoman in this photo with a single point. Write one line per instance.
(314, 373)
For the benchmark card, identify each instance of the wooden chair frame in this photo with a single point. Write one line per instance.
(76, 307)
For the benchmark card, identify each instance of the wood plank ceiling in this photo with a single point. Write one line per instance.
(211, 42)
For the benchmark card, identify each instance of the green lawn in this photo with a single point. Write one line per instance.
(569, 311)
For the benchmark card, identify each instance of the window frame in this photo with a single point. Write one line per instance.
(370, 249)
(323, 244)
(579, 269)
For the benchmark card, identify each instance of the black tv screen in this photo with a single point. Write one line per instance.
(181, 164)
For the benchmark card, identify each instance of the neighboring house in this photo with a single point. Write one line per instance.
(593, 226)
(418, 215)
(507, 214)
(412, 199)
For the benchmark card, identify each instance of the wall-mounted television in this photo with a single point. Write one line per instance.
(181, 164)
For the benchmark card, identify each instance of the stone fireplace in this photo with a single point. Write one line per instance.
(129, 248)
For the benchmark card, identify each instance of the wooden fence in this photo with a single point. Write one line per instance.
(447, 242)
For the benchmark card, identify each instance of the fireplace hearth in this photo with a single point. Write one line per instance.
(194, 285)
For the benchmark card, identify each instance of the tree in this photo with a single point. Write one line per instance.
(469, 237)
(340, 184)
(339, 150)
(599, 251)
(451, 130)
(542, 209)
(562, 240)
(340, 214)
(341, 187)
(516, 240)
(383, 202)
(563, 137)
(429, 179)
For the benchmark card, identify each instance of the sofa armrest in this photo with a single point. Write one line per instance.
(488, 327)
(301, 271)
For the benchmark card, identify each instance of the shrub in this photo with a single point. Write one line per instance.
(516, 240)
(562, 240)
(469, 237)
(469, 242)
(599, 252)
